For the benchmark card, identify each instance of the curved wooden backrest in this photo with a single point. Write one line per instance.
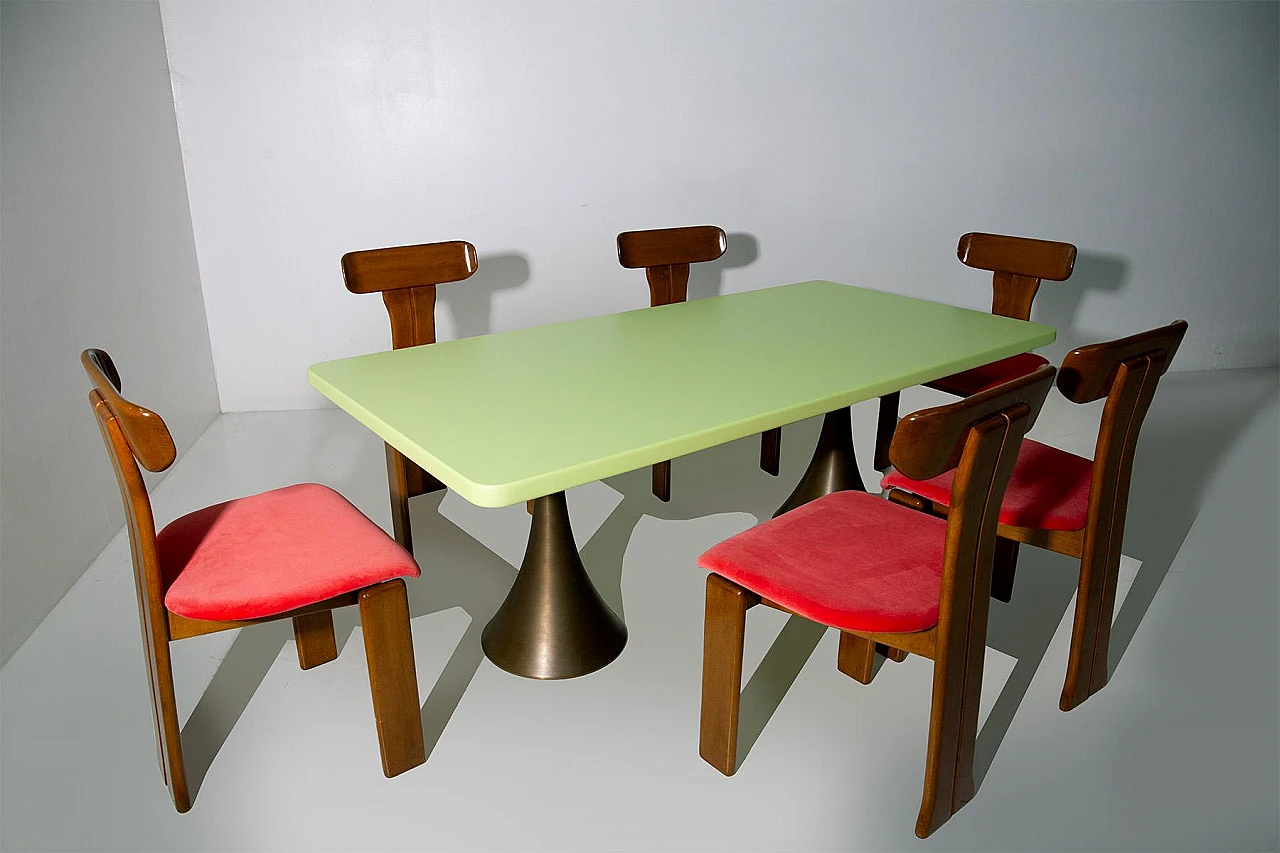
(979, 437)
(133, 434)
(147, 436)
(1018, 264)
(930, 442)
(1127, 372)
(407, 276)
(665, 255)
(1089, 373)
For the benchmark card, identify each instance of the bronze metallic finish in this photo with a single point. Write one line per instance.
(554, 624)
(834, 467)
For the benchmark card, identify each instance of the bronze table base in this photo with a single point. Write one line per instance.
(553, 624)
(834, 467)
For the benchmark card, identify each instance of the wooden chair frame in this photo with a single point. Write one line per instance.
(980, 438)
(407, 276)
(135, 435)
(1018, 265)
(1126, 372)
(665, 255)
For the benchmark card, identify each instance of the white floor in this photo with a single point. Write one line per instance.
(1180, 752)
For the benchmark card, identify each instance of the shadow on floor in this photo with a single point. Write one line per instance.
(442, 548)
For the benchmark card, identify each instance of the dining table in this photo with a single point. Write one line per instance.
(523, 415)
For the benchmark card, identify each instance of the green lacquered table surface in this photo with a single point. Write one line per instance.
(508, 417)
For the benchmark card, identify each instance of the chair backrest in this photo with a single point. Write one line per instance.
(1018, 264)
(665, 255)
(980, 437)
(133, 435)
(407, 276)
(136, 435)
(1125, 371)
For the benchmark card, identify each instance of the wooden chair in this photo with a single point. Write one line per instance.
(665, 255)
(407, 276)
(884, 576)
(293, 553)
(1070, 505)
(1018, 265)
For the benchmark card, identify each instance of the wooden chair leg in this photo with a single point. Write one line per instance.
(1006, 564)
(1091, 632)
(393, 680)
(164, 714)
(770, 450)
(313, 633)
(662, 480)
(949, 781)
(857, 657)
(722, 641)
(886, 422)
(406, 480)
(890, 653)
(398, 483)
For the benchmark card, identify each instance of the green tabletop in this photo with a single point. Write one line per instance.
(507, 417)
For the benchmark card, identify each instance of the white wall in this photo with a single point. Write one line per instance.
(849, 141)
(95, 250)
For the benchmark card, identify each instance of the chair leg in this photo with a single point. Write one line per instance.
(313, 634)
(1006, 564)
(398, 477)
(722, 641)
(662, 480)
(393, 680)
(1091, 632)
(164, 710)
(895, 655)
(953, 727)
(857, 657)
(886, 422)
(770, 450)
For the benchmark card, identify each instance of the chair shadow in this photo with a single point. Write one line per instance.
(1194, 421)
(777, 671)
(707, 279)
(470, 303)
(1044, 587)
(1058, 303)
(723, 479)
(440, 547)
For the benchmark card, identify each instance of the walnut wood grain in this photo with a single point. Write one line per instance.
(665, 255)
(313, 635)
(1127, 372)
(393, 680)
(407, 277)
(979, 438)
(722, 638)
(136, 435)
(1017, 265)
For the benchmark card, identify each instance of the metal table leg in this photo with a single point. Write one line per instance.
(553, 624)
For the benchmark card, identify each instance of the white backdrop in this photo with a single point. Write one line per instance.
(854, 142)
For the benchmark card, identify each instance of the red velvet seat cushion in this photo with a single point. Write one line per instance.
(265, 554)
(849, 560)
(1049, 489)
(970, 382)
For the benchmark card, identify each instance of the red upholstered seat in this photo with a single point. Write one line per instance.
(1049, 489)
(269, 553)
(849, 560)
(970, 382)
